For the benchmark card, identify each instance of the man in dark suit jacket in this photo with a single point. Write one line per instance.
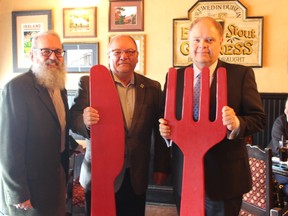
(34, 135)
(141, 104)
(227, 172)
(279, 132)
(279, 129)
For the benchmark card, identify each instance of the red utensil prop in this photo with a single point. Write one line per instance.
(195, 138)
(107, 141)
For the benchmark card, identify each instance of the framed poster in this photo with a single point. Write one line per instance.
(79, 22)
(80, 57)
(126, 16)
(25, 24)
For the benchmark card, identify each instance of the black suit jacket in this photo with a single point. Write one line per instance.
(227, 172)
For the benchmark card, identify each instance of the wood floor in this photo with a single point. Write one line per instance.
(152, 209)
(161, 210)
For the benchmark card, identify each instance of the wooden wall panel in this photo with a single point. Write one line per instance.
(273, 104)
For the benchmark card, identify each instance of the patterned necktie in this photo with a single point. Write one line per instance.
(196, 97)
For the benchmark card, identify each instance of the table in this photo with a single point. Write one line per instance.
(278, 167)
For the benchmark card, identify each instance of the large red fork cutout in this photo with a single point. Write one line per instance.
(195, 138)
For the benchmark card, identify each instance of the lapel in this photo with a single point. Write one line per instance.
(214, 81)
(139, 99)
(65, 102)
(213, 91)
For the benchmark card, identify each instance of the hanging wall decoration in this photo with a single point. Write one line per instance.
(126, 16)
(79, 22)
(80, 57)
(243, 36)
(25, 24)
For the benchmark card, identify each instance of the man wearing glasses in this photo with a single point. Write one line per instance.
(34, 134)
(140, 100)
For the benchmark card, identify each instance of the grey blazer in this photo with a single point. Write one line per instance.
(32, 165)
(138, 138)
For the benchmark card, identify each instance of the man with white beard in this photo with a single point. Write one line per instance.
(34, 141)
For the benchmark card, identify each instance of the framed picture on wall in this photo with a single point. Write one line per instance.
(79, 22)
(25, 24)
(126, 16)
(80, 57)
(140, 41)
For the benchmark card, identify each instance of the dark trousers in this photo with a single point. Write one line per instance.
(228, 207)
(127, 202)
(87, 202)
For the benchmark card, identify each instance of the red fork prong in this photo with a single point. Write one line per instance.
(187, 109)
(221, 95)
(221, 91)
(170, 107)
(204, 103)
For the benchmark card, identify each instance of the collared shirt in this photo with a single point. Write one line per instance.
(197, 71)
(60, 110)
(126, 95)
(127, 99)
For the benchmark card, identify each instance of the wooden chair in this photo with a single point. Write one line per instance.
(259, 200)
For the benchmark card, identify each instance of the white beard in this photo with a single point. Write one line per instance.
(50, 78)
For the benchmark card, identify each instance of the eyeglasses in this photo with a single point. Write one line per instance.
(46, 52)
(118, 52)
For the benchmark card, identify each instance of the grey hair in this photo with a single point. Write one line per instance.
(41, 34)
(119, 36)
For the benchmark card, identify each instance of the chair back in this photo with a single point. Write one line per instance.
(259, 200)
